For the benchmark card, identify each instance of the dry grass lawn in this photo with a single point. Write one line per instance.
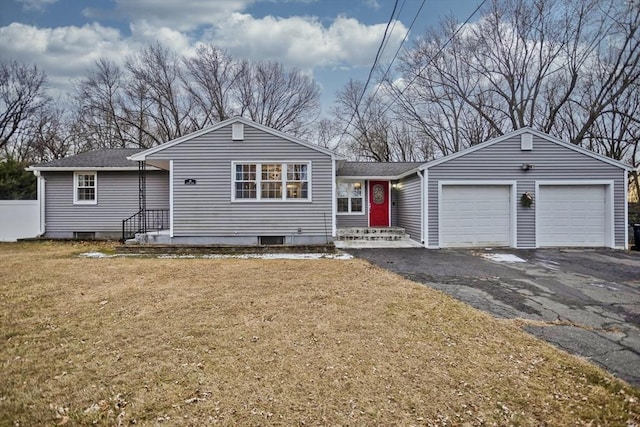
(118, 341)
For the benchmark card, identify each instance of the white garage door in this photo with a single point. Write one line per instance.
(475, 215)
(571, 215)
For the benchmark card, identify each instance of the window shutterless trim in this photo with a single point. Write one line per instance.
(350, 198)
(93, 201)
(283, 181)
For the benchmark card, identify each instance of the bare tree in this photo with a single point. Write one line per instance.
(98, 98)
(326, 133)
(363, 124)
(435, 92)
(22, 95)
(561, 66)
(212, 80)
(284, 100)
(371, 131)
(51, 138)
(158, 72)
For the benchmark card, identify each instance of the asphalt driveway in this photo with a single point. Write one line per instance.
(586, 302)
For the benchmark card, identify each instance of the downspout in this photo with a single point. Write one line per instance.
(421, 175)
(334, 202)
(41, 183)
(626, 214)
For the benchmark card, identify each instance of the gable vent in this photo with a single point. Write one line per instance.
(526, 142)
(237, 132)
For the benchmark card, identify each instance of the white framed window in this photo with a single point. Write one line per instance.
(85, 188)
(246, 182)
(271, 181)
(297, 181)
(350, 197)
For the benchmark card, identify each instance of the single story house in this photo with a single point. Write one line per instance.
(242, 183)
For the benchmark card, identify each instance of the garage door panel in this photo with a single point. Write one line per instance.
(571, 215)
(475, 215)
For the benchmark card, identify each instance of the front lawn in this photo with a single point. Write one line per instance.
(117, 341)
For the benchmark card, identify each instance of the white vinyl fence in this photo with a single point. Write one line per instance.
(19, 219)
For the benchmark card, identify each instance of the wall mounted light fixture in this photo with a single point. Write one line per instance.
(526, 166)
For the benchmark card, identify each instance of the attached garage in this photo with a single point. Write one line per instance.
(475, 215)
(524, 190)
(573, 215)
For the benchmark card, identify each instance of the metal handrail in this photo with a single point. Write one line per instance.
(145, 220)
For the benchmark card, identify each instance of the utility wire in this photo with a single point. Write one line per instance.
(395, 21)
(375, 62)
(406, 36)
(436, 55)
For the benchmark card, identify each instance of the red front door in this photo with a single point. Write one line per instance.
(378, 203)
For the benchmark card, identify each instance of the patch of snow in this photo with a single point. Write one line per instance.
(339, 256)
(95, 255)
(284, 256)
(502, 257)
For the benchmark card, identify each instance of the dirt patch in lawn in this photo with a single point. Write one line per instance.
(113, 341)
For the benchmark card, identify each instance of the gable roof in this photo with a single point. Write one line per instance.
(520, 131)
(104, 159)
(143, 155)
(386, 170)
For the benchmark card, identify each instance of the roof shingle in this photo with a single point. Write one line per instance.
(373, 169)
(107, 158)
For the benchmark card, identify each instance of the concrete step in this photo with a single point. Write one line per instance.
(372, 233)
(150, 238)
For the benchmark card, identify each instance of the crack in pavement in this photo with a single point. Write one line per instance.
(521, 323)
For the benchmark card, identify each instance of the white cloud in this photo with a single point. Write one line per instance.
(373, 4)
(63, 52)
(39, 5)
(303, 41)
(183, 15)
(143, 33)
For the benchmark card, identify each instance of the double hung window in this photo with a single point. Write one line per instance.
(350, 197)
(84, 188)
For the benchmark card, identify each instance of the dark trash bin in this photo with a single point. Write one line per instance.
(636, 237)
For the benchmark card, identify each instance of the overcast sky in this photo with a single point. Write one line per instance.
(333, 40)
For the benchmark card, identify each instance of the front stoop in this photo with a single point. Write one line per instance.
(374, 237)
(158, 237)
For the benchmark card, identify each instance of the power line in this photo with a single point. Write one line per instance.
(436, 55)
(395, 21)
(375, 62)
(399, 47)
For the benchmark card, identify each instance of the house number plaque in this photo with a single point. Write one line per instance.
(190, 181)
(378, 194)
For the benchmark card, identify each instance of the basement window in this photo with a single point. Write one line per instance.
(271, 240)
(84, 235)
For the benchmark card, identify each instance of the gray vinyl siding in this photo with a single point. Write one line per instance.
(408, 206)
(356, 220)
(206, 209)
(503, 160)
(117, 194)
